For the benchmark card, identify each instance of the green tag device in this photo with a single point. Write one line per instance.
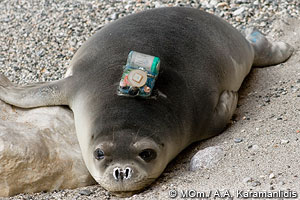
(139, 75)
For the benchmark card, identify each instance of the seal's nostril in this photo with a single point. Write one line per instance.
(120, 174)
(116, 173)
(128, 172)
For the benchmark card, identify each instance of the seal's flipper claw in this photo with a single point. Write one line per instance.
(33, 95)
(267, 52)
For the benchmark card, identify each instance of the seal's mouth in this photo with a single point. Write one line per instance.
(119, 188)
(125, 187)
(128, 193)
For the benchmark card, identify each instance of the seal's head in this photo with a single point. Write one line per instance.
(126, 143)
(125, 161)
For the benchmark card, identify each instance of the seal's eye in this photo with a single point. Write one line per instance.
(148, 155)
(98, 154)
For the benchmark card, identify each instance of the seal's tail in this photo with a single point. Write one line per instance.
(266, 52)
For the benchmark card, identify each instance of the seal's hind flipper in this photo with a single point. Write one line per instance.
(266, 52)
(34, 95)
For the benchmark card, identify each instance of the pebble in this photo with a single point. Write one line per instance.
(237, 140)
(280, 183)
(255, 183)
(206, 158)
(238, 11)
(253, 147)
(85, 192)
(247, 179)
(222, 4)
(271, 176)
(267, 99)
(213, 2)
(284, 141)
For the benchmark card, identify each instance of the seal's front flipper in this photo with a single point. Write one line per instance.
(34, 95)
(266, 52)
(223, 111)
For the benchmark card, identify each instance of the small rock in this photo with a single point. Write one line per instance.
(263, 24)
(238, 11)
(280, 183)
(271, 176)
(284, 141)
(247, 180)
(158, 4)
(222, 4)
(267, 100)
(237, 140)
(255, 183)
(206, 158)
(255, 147)
(213, 2)
(85, 192)
(114, 16)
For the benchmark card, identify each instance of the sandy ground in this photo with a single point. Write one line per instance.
(268, 157)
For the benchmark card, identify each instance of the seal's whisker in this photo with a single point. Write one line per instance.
(153, 133)
(137, 133)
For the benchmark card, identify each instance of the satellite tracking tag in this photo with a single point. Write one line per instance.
(139, 75)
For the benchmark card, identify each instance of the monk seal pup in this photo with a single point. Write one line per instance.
(126, 142)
